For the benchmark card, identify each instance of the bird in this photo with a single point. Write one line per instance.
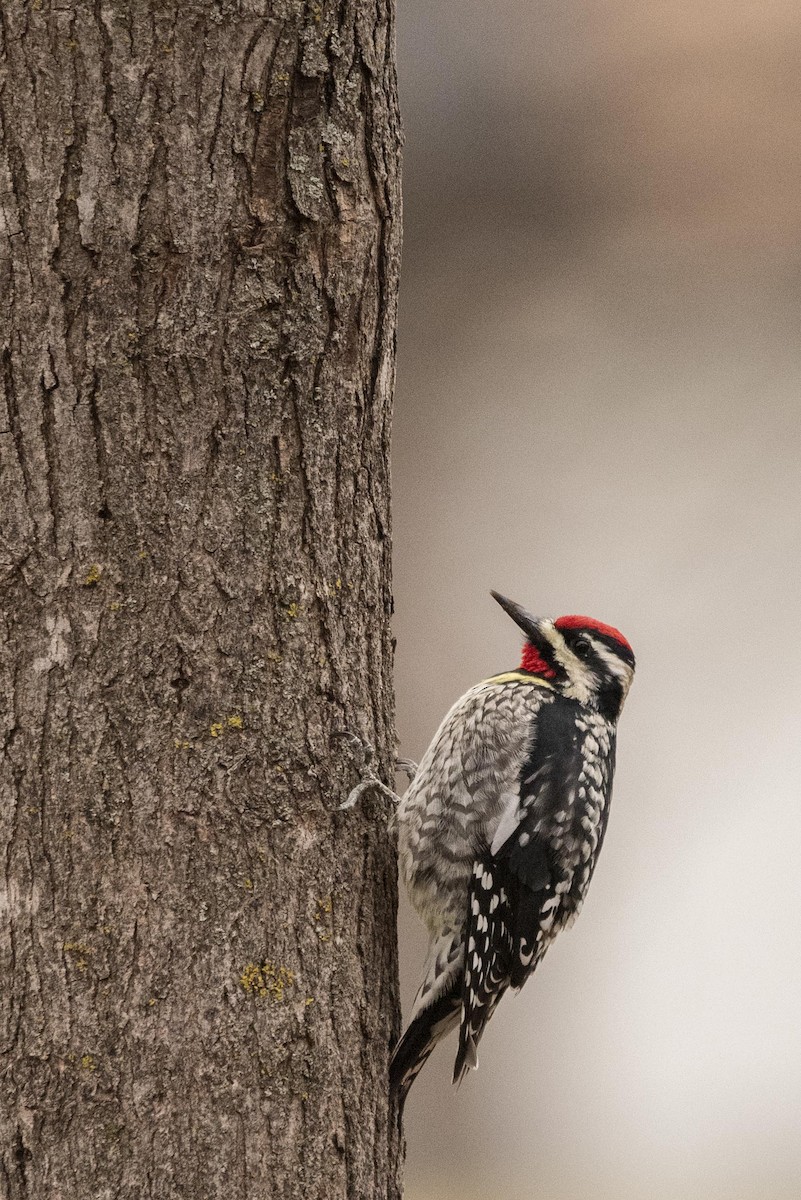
(500, 829)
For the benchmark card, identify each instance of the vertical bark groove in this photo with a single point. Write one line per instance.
(200, 228)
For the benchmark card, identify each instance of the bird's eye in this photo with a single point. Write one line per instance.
(582, 648)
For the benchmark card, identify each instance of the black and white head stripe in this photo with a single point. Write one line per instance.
(596, 663)
(577, 654)
(599, 634)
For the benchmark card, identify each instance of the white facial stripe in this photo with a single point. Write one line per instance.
(609, 658)
(583, 680)
(621, 670)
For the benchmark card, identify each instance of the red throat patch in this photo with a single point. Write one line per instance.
(533, 661)
(588, 623)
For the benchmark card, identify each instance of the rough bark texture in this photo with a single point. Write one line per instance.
(198, 275)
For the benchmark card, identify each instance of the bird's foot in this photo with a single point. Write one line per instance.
(408, 767)
(363, 756)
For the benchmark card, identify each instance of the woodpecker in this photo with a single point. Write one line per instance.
(501, 827)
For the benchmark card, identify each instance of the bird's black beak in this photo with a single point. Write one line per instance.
(531, 626)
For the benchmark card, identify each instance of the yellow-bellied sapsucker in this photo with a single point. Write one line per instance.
(500, 830)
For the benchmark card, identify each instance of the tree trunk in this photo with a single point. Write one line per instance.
(199, 275)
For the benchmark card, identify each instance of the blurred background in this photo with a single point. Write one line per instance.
(599, 411)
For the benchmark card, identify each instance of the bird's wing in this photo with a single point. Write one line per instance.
(513, 893)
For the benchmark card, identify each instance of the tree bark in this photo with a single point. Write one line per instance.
(199, 273)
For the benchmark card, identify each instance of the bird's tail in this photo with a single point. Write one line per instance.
(472, 1026)
(425, 1030)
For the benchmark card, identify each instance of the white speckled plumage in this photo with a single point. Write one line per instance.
(499, 833)
(468, 777)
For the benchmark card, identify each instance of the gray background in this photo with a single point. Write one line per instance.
(598, 410)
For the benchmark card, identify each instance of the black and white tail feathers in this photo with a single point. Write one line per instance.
(504, 912)
(510, 893)
(425, 1030)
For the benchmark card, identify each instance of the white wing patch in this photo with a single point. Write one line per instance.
(510, 819)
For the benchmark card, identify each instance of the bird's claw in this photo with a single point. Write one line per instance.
(408, 767)
(363, 756)
(371, 784)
